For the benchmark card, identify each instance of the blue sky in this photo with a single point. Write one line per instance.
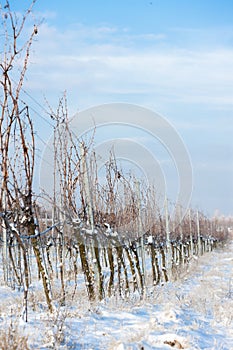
(142, 15)
(174, 57)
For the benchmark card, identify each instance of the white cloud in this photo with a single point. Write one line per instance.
(98, 64)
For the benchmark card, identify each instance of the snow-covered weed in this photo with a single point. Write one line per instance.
(11, 338)
(55, 329)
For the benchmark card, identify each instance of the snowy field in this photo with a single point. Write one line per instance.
(193, 312)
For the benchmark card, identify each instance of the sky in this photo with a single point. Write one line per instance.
(172, 57)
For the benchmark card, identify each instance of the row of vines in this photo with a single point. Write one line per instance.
(99, 238)
(97, 252)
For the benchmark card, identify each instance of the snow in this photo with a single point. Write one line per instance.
(193, 312)
(150, 240)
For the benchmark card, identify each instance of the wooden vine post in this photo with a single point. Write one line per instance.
(199, 248)
(90, 220)
(168, 243)
(140, 234)
(5, 250)
(181, 236)
(190, 233)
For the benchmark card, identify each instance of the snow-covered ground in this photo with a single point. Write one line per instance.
(193, 312)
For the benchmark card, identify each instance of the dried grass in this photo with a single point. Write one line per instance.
(11, 339)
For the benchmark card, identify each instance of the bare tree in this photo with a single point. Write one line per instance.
(17, 142)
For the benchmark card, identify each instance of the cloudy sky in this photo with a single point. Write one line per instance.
(173, 57)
